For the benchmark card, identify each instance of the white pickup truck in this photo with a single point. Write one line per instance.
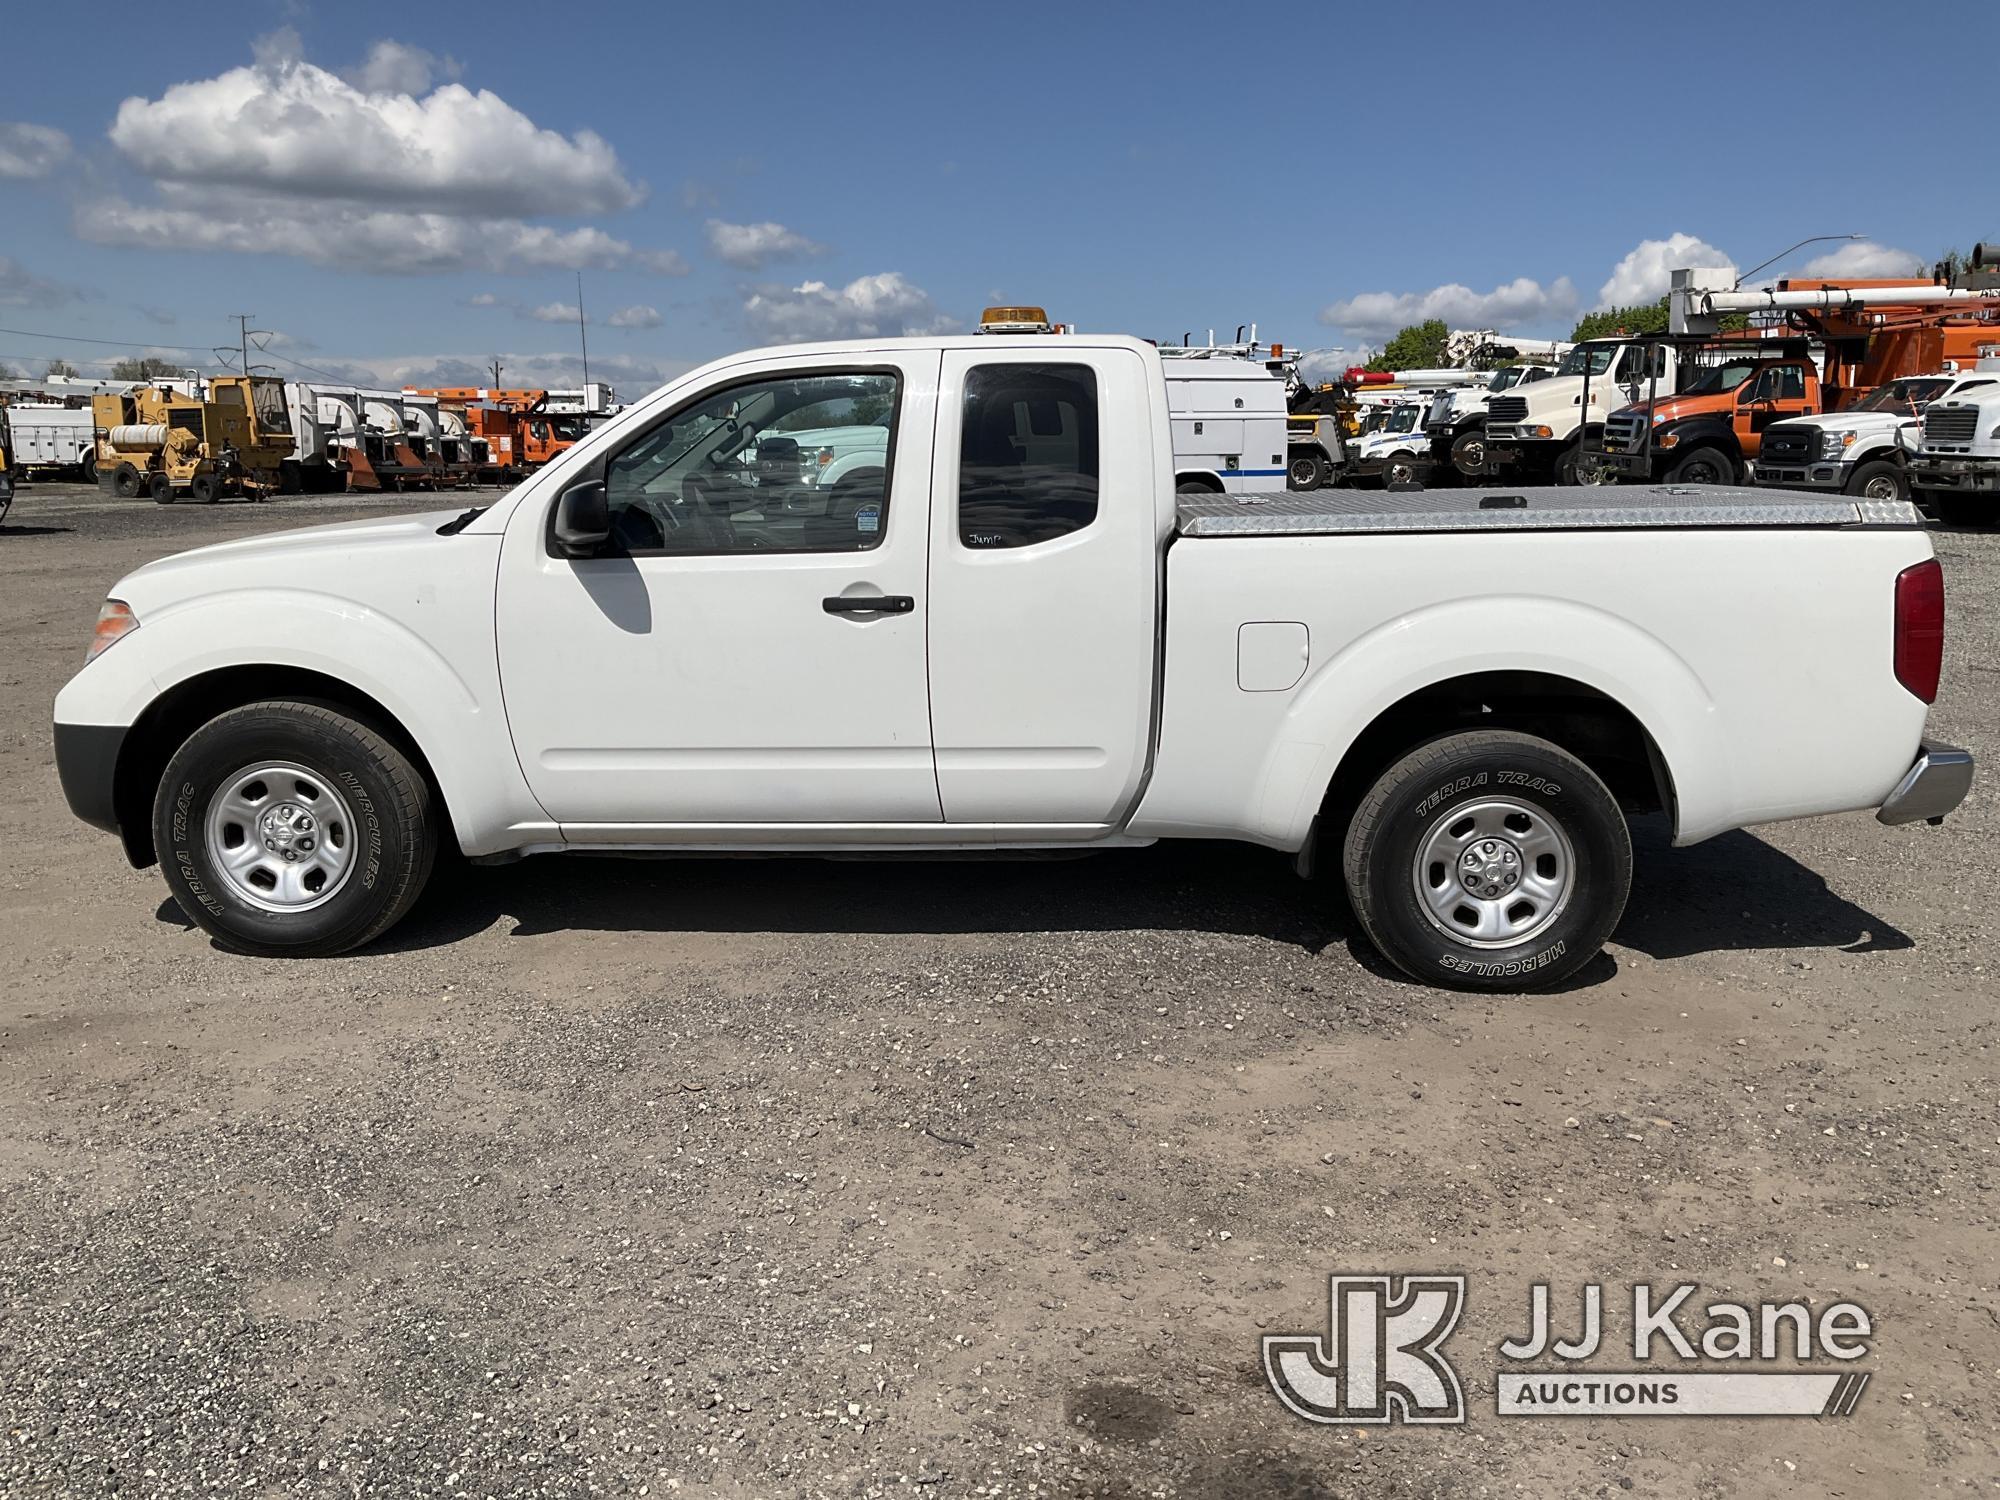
(1022, 638)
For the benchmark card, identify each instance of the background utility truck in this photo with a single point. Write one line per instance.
(1025, 639)
(1866, 449)
(1956, 469)
(1712, 430)
(155, 440)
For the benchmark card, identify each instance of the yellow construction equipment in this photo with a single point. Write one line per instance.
(158, 441)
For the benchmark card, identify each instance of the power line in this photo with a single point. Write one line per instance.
(77, 338)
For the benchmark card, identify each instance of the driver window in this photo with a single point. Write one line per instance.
(794, 463)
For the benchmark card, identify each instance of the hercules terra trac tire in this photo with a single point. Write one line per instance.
(1488, 861)
(310, 768)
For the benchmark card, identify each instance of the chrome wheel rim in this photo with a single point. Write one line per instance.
(1495, 873)
(281, 837)
(1882, 487)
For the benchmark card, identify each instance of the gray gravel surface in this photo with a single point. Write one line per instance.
(775, 1178)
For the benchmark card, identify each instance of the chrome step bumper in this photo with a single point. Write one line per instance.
(1932, 787)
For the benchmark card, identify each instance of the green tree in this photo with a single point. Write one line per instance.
(59, 369)
(1647, 317)
(1421, 346)
(144, 367)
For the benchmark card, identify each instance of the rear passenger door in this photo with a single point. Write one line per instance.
(1043, 584)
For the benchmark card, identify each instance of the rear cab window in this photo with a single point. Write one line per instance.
(1028, 454)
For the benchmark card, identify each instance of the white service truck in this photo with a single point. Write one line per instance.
(1455, 423)
(1537, 429)
(1956, 470)
(1864, 449)
(1022, 639)
(58, 438)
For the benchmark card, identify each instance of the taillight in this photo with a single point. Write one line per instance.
(1920, 628)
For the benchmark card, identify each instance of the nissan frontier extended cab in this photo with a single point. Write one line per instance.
(1017, 637)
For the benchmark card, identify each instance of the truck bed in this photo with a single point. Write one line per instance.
(1546, 508)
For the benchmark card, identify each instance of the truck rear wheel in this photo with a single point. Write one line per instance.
(1488, 861)
(288, 830)
(160, 488)
(1305, 469)
(203, 488)
(87, 468)
(125, 481)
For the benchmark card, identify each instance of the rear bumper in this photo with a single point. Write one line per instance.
(87, 765)
(1935, 784)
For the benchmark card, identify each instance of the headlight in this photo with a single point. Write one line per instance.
(1834, 444)
(114, 622)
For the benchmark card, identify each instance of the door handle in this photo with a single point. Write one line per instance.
(868, 604)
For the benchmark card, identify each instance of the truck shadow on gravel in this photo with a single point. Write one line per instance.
(1733, 892)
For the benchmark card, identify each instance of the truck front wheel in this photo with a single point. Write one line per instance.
(287, 830)
(1703, 466)
(1488, 861)
(1469, 453)
(1879, 479)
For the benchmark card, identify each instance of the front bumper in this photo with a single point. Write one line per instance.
(87, 765)
(1826, 476)
(1935, 784)
(1965, 474)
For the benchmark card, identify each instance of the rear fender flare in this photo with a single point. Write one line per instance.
(1350, 690)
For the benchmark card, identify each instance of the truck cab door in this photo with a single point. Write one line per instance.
(1775, 394)
(1046, 535)
(743, 651)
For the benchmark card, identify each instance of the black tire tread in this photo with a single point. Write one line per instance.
(1424, 762)
(412, 792)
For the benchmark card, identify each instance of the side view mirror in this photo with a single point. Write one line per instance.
(583, 519)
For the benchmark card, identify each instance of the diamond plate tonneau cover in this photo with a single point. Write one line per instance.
(1548, 508)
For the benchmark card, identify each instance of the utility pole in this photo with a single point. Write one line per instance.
(582, 337)
(245, 333)
(496, 372)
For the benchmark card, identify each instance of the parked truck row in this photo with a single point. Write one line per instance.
(207, 438)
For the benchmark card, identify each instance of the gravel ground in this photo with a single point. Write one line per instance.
(760, 1179)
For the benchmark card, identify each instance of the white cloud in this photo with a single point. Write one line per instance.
(287, 158)
(751, 247)
(394, 67)
(285, 126)
(633, 375)
(31, 151)
(554, 312)
(20, 287)
(637, 316)
(1317, 365)
(1377, 315)
(1863, 260)
(884, 305)
(350, 237)
(483, 299)
(1645, 274)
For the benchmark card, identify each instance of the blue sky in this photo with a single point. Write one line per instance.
(404, 191)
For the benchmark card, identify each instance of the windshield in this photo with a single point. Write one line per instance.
(1723, 378)
(1504, 378)
(267, 400)
(1908, 397)
(1594, 359)
(1402, 419)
